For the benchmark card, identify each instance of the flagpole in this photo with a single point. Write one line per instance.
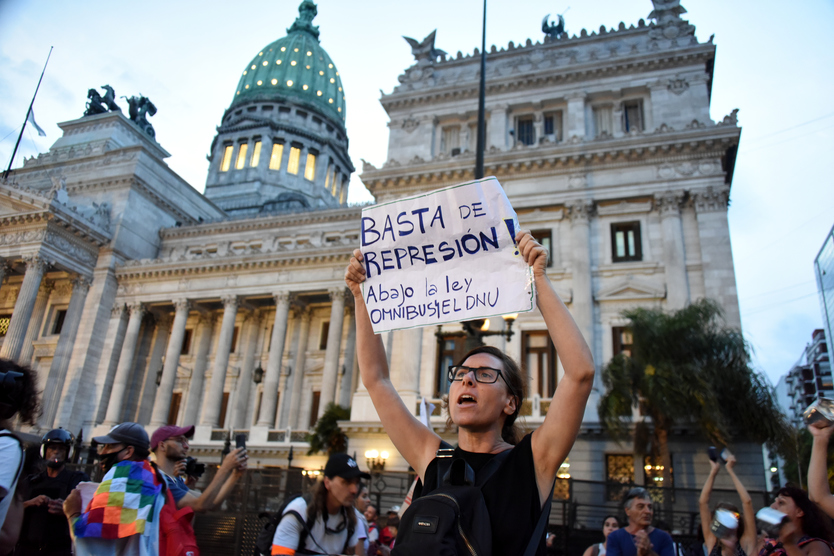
(25, 120)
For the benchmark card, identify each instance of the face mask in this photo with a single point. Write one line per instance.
(109, 460)
(54, 464)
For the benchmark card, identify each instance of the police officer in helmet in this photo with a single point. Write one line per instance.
(45, 530)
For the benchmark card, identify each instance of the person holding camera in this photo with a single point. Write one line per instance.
(45, 530)
(732, 533)
(170, 447)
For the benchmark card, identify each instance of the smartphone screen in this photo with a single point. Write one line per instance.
(713, 453)
(240, 441)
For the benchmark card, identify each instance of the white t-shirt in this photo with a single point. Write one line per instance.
(11, 456)
(319, 541)
(362, 528)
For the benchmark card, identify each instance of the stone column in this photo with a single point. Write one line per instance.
(298, 369)
(13, 344)
(575, 117)
(330, 373)
(674, 255)
(582, 306)
(244, 381)
(211, 411)
(162, 402)
(117, 393)
(35, 323)
(198, 374)
(346, 388)
(63, 351)
(152, 368)
(288, 375)
(497, 134)
(109, 360)
(717, 258)
(266, 418)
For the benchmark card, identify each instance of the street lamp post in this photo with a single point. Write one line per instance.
(376, 465)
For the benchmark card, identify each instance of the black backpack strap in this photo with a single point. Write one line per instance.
(538, 532)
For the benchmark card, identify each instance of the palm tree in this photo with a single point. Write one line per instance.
(688, 367)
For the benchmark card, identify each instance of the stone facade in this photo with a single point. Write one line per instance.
(138, 298)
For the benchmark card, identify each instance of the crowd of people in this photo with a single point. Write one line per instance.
(490, 493)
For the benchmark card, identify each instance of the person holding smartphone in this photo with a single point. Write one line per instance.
(170, 447)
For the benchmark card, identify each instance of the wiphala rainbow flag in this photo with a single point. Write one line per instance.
(123, 504)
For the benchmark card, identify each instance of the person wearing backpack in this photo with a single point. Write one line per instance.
(500, 483)
(326, 523)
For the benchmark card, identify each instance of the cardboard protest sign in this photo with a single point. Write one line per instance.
(445, 256)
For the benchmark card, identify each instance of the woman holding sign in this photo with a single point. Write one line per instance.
(485, 396)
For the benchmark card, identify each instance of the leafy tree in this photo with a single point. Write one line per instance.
(797, 458)
(688, 367)
(327, 436)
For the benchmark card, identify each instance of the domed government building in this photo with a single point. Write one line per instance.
(138, 298)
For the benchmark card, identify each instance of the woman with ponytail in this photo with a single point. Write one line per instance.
(485, 396)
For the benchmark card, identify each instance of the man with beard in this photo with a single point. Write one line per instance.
(45, 529)
(123, 516)
(170, 447)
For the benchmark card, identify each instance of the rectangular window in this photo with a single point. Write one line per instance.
(553, 126)
(451, 350)
(623, 340)
(619, 475)
(58, 323)
(328, 177)
(292, 164)
(5, 320)
(450, 140)
(625, 242)
(227, 158)
(540, 360)
(343, 194)
(310, 167)
(174, 408)
(524, 131)
(337, 183)
(633, 115)
(325, 330)
(545, 237)
(314, 411)
(257, 407)
(241, 156)
(256, 155)
(233, 347)
(221, 423)
(275, 156)
(186, 341)
(603, 121)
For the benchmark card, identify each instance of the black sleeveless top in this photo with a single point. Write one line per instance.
(511, 496)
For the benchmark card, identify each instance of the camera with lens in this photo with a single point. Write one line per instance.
(193, 468)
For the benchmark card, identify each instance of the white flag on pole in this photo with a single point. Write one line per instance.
(31, 120)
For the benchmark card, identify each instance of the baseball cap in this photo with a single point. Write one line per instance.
(166, 432)
(344, 466)
(132, 434)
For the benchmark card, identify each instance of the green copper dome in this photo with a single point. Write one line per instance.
(295, 67)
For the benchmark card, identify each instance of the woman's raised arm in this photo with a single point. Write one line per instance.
(703, 506)
(750, 539)
(415, 442)
(553, 440)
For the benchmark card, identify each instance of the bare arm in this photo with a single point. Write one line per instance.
(750, 538)
(415, 442)
(703, 506)
(552, 441)
(210, 496)
(818, 489)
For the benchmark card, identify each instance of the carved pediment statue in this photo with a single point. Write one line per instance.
(139, 109)
(424, 51)
(553, 30)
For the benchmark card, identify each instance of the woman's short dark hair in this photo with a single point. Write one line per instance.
(514, 381)
(814, 522)
(25, 399)
(732, 508)
(606, 518)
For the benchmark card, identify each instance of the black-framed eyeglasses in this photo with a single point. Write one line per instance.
(484, 375)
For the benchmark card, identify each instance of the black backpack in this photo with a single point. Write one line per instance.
(452, 519)
(263, 542)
